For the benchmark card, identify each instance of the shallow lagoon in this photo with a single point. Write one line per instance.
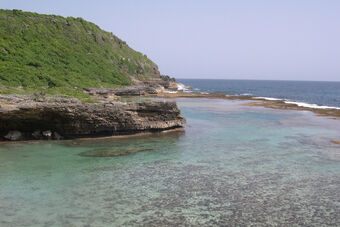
(233, 165)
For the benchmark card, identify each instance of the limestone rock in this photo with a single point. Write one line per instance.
(72, 119)
(144, 87)
(37, 134)
(57, 136)
(13, 135)
(47, 134)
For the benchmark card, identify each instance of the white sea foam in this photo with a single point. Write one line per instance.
(172, 92)
(301, 104)
(267, 98)
(246, 94)
(314, 106)
(181, 87)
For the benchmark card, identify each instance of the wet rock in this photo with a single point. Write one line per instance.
(37, 134)
(110, 153)
(167, 78)
(13, 135)
(47, 134)
(57, 136)
(7, 221)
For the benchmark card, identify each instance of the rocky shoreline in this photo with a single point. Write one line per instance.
(254, 101)
(115, 112)
(41, 117)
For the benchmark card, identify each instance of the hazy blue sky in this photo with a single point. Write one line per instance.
(240, 39)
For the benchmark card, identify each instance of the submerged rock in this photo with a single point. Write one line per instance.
(110, 153)
(331, 155)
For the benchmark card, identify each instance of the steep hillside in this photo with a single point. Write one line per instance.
(47, 51)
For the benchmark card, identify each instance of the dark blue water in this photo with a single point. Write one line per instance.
(311, 92)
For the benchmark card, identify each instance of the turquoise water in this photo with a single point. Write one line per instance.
(233, 165)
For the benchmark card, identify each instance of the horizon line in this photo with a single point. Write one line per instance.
(256, 79)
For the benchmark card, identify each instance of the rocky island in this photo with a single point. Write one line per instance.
(63, 78)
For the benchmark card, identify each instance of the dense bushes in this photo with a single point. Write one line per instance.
(52, 51)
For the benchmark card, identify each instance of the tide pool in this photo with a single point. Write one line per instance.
(233, 165)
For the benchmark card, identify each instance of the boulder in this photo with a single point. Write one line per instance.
(13, 135)
(47, 134)
(57, 136)
(37, 134)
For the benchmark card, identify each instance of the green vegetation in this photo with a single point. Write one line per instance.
(63, 55)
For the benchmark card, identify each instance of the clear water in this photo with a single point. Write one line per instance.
(311, 92)
(232, 166)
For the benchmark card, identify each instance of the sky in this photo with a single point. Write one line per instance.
(218, 39)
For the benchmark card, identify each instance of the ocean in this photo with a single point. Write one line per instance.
(317, 94)
(232, 165)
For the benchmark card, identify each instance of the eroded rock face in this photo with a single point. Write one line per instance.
(71, 119)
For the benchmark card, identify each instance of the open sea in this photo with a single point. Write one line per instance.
(232, 165)
(317, 94)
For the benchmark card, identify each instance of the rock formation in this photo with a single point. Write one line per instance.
(57, 117)
(141, 88)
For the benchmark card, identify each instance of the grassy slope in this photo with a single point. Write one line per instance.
(39, 51)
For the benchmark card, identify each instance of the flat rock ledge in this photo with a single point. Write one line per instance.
(61, 117)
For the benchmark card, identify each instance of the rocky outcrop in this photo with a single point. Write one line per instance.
(13, 135)
(164, 81)
(58, 117)
(141, 88)
(107, 93)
